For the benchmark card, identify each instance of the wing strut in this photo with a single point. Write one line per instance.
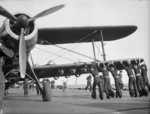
(73, 51)
(94, 49)
(32, 59)
(102, 43)
(35, 77)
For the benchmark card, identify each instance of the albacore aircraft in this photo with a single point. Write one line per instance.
(19, 33)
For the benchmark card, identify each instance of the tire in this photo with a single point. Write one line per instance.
(47, 92)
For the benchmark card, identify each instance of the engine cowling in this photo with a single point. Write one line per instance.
(10, 34)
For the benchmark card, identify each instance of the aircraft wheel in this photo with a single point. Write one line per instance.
(47, 92)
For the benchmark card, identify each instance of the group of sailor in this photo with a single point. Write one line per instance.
(137, 73)
(138, 80)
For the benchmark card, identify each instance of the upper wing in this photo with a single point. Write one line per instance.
(86, 33)
(72, 69)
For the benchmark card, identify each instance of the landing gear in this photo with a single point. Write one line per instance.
(47, 92)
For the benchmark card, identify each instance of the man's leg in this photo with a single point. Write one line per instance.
(37, 90)
(86, 87)
(26, 86)
(2, 87)
(94, 90)
(130, 87)
(148, 85)
(106, 88)
(138, 86)
(118, 89)
(117, 95)
(135, 87)
(90, 87)
(121, 84)
(111, 93)
(100, 85)
(144, 91)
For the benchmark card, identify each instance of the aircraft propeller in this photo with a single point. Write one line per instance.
(47, 12)
(5, 13)
(22, 23)
(22, 54)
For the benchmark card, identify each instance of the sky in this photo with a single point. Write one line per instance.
(90, 13)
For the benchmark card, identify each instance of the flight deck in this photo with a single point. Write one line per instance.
(73, 101)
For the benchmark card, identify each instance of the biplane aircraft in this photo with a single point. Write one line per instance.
(20, 33)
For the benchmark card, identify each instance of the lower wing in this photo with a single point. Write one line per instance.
(76, 69)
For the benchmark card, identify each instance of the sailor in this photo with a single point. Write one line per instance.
(4, 53)
(37, 90)
(144, 75)
(89, 79)
(112, 68)
(120, 75)
(64, 85)
(102, 78)
(97, 81)
(139, 80)
(107, 85)
(52, 84)
(132, 79)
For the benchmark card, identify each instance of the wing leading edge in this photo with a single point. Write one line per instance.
(73, 34)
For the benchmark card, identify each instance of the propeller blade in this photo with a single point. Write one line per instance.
(2, 29)
(47, 12)
(5, 13)
(22, 54)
